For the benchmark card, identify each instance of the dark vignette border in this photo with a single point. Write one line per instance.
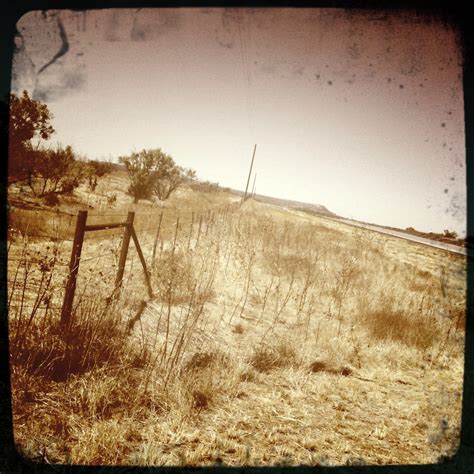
(455, 13)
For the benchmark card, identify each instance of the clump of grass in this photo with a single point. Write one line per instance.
(56, 353)
(201, 399)
(201, 360)
(206, 378)
(94, 418)
(281, 355)
(238, 329)
(389, 323)
(324, 366)
(205, 361)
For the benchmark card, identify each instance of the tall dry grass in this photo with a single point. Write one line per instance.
(247, 302)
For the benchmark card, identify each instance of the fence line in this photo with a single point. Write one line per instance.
(181, 229)
(129, 233)
(61, 234)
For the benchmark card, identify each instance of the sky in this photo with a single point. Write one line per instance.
(361, 112)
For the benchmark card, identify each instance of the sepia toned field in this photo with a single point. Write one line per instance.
(273, 337)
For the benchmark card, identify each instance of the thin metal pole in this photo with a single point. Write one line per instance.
(250, 172)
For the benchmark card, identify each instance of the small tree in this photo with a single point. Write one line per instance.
(153, 172)
(28, 119)
(170, 177)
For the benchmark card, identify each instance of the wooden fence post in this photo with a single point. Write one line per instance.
(124, 250)
(156, 240)
(73, 268)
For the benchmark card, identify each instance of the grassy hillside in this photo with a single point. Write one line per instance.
(273, 337)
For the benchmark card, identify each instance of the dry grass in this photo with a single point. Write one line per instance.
(395, 325)
(174, 277)
(320, 343)
(265, 359)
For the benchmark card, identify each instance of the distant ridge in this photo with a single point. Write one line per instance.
(294, 205)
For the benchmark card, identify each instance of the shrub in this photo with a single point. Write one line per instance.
(207, 187)
(154, 173)
(55, 171)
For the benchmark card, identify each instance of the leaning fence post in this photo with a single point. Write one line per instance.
(73, 268)
(124, 250)
(142, 260)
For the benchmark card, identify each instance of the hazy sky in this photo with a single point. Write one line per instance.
(362, 113)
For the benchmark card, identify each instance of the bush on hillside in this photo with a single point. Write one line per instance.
(154, 173)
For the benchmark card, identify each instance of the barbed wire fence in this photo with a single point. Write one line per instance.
(100, 259)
